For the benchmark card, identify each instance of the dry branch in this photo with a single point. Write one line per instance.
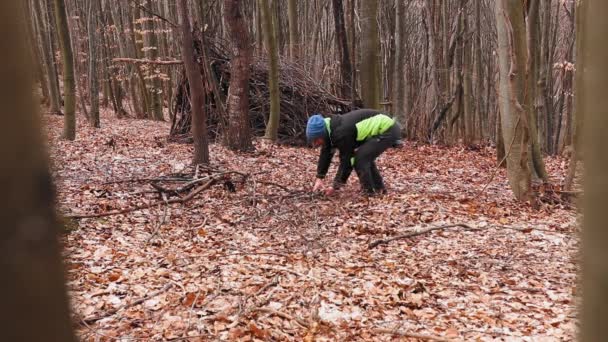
(409, 334)
(419, 232)
(149, 205)
(126, 306)
(147, 61)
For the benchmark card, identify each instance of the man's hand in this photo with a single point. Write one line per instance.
(318, 185)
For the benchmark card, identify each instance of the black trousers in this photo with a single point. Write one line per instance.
(365, 158)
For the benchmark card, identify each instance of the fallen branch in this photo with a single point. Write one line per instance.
(149, 205)
(143, 180)
(161, 221)
(126, 306)
(499, 164)
(147, 61)
(416, 233)
(409, 334)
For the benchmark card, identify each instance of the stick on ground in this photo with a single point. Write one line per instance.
(416, 233)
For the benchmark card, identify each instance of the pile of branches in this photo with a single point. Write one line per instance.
(300, 96)
(184, 186)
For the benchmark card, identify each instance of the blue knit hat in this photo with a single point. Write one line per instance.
(315, 127)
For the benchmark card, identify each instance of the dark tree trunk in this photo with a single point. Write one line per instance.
(33, 293)
(345, 66)
(195, 82)
(239, 132)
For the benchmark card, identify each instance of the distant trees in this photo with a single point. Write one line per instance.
(434, 60)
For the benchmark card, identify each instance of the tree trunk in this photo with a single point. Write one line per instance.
(512, 59)
(353, 50)
(399, 95)
(577, 114)
(545, 83)
(48, 57)
(33, 293)
(272, 128)
(69, 84)
(128, 19)
(479, 73)
(195, 82)
(342, 43)
(467, 71)
(370, 55)
(531, 95)
(239, 131)
(94, 10)
(152, 53)
(294, 40)
(592, 55)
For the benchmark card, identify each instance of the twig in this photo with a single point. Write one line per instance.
(282, 187)
(161, 221)
(126, 306)
(502, 161)
(142, 180)
(146, 61)
(134, 2)
(409, 334)
(149, 205)
(416, 233)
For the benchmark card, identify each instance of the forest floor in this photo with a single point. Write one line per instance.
(273, 262)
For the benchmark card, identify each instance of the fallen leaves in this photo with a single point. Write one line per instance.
(261, 264)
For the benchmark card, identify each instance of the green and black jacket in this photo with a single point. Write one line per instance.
(346, 133)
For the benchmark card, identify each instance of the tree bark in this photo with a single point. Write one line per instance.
(48, 57)
(195, 82)
(294, 39)
(238, 137)
(370, 55)
(532, 79)
(342, 42)
(512, 59)
(69, 84)
(467, 96)
(399, 95)
(152, 53)
(33, 293)
(592, 55)
(272, 128)
(94, 10)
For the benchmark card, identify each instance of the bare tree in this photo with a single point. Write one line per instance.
(294, 39)
(69, 83)
(272, 127)
(93, 14)
(238, 136)
(399, 95)
(510, 25)
(342, 42)
(195, 82)
(370, 55)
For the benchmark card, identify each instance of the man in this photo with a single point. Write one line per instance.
(360, 136)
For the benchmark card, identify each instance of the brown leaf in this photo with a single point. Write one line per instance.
(257, 332)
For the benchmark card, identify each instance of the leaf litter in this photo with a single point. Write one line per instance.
(270, 261)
